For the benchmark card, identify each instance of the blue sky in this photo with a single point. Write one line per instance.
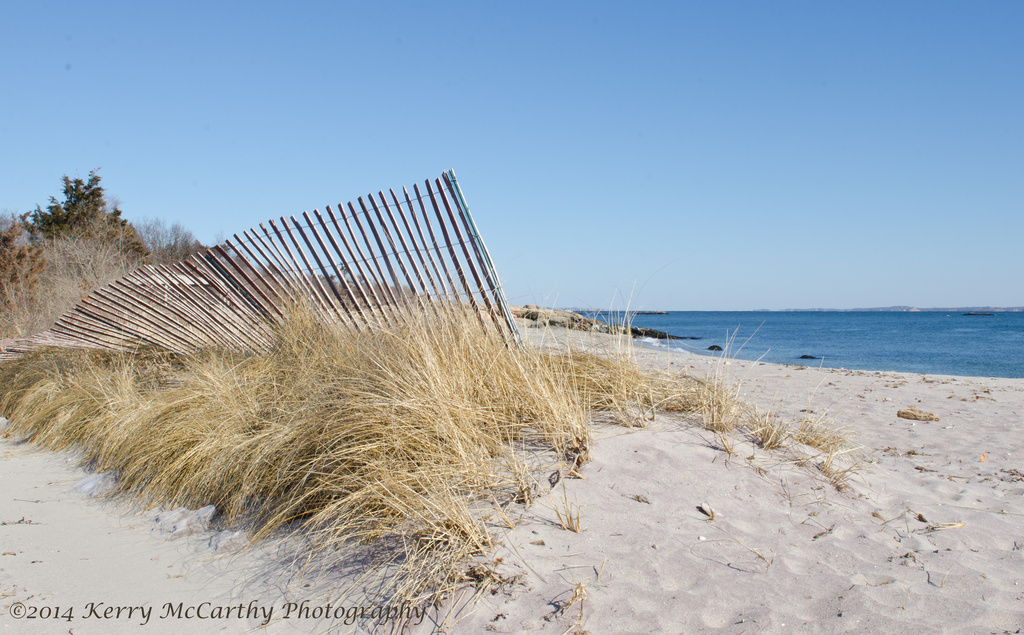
(690, 156)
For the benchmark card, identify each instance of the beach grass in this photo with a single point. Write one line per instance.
(408, 437)
(403, 435)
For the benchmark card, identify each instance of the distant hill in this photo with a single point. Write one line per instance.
(954, 309)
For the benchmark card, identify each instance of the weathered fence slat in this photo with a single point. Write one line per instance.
(390, 260)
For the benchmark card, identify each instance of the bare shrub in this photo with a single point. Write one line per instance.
(21, 262)
(167, 244)
(74, 265)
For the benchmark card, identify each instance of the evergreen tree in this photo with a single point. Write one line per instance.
(85, 212)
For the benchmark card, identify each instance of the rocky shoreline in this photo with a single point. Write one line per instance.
(536, 317)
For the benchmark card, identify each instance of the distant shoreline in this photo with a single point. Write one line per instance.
(910, 309)
(890, 309)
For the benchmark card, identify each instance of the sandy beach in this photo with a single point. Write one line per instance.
(426, 319)
(676, 535)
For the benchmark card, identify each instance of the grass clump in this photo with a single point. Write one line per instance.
(402, 437)
(719, 404)
(769, 431)
(394, 444)
(722, 411)
(820, 435)
(834, 456)
(569, 515)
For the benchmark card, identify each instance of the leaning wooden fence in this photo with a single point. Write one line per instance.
(363, 265)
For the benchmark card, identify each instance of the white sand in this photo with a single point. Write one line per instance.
(62, 550)
(786, 551)
(928, 537)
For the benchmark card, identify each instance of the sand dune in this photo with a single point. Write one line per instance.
(927, 535)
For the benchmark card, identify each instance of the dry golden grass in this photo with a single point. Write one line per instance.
(633, 394)
(569, 515)
(74, 266)
(403, 441)
(835, 457)
(820, 434)
(769, 431)
(719, 403)
(722, 411)
(406, 437)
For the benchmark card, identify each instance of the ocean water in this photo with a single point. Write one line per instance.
(917, 342)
